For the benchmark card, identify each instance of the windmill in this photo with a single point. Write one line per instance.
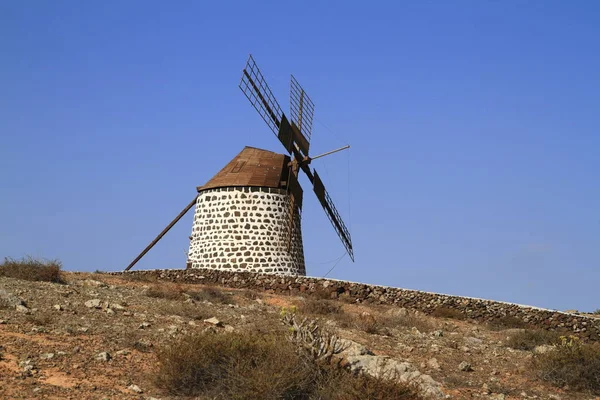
(248, 216)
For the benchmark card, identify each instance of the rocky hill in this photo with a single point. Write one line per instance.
(102, 336)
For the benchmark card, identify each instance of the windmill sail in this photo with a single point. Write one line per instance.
(258, 92)
(302, 110)
(332, 214)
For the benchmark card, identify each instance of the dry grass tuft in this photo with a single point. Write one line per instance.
(529, 339)
(210, 294)
(31, 269)
(320, 307)
(572, 364)
(168, 291)
(260, 366)
(176, 292)
(40, 318)
(447, 312)
(507, 322)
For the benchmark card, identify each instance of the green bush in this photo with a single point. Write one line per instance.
(572, 363)
(31, 269)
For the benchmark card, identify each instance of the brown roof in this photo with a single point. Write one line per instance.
(251, 167)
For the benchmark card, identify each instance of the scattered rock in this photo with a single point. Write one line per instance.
(135, 388)
(433, 363)
(2, 321)
(92, 282)
(117, 306)
(110, 311)
(11, 299)
(22, 309)
(352, 348)
(397, 312)
(213, 321)
(438, 333)
(57, 307)
(123, 352)
(94, 303)
(229, 329)
(543, 349)
(172, 329)
(144, 325)
(465, 366)
(498, 396)
(473, 341)
(47, 356)
(104, 356)
(381, 366)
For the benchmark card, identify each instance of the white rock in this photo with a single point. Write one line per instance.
(433, 363)
(22, 309)
(213, 321)
(543, 349)
(135, 388)
(104, 356)
(57, 307)
(465, 366)
(94, 303)
(47, 356)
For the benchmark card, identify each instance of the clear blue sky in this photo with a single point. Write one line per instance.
(474, 167)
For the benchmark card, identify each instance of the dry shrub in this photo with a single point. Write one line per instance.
(410, 320)
(137, 277)
(183, 309)
(210, 294)
(250, 294)
(169, 292)
(320, 307)
(31, 269)
(507, 322)
(321, 294)
(255, 366)
(447, 312)
(40, 318)
(234, 366)
(572, 363)
(529, 339)
(364, 322)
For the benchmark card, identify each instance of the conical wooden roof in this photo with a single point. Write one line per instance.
(251, 167)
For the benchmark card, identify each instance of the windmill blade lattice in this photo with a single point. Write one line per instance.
(302, 109)
(332, 214)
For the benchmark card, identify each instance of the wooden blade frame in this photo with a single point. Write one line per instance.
(332, 214)
(261, 97)
(302, 110)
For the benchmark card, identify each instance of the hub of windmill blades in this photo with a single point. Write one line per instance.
(294, 135)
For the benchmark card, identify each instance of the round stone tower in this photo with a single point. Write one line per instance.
(245, 219)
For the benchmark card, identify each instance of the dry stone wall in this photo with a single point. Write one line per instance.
(246, 229)
(472, 308)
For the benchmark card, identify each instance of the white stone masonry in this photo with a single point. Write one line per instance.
(246, 229)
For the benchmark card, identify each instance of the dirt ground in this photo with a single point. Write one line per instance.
(96, 336)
